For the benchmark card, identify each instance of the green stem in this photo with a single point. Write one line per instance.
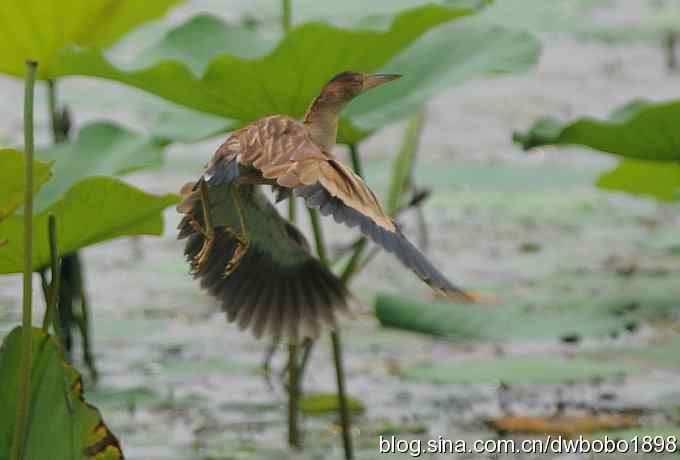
(293, 377)
(71, 285)
(43, 283)
(292, 210)
(286, 16)
(343, 405)
(293, 432)
(343, 408)
(56, 122)
(670, 42)
(293, 380)
(307, 347)
(83, 320)
(20, 426)
(356, 160)
(53, 291)
(352, 266)
(318, 236)
(345, 421)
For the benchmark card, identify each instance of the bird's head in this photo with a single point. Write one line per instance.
(323, 114)
(345, 86)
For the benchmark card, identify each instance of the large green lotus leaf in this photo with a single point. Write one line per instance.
(40, 29)
(61, 424)
(283, 81)
(12, 179)
(640, 130)
(578, 317)
(447, 56)
(657, 179)
(202, 38)
(94, 209)
(100, 149)
(517, 370)
(228, 82)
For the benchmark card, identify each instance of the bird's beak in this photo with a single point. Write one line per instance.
(377, 79)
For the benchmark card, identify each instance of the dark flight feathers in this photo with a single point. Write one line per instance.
(294, 298)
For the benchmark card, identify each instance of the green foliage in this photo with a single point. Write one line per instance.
(233, 84)
(517, 370)
(62, 425)
(12, 180)
(246, 89)
(644, 133)
(639, 129)
(201, 39)
(94, 209)
(41, 29)
(100, 149)
(502, 323)
(327, 403)
(660, 180)
(89, 208)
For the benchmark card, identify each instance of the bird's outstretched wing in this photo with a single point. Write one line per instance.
(316, 196)
(278, 288)
(281, 149)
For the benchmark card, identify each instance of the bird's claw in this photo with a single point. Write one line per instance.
(202, 257)
(242, 245)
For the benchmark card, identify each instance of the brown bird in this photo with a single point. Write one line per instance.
(257, 264)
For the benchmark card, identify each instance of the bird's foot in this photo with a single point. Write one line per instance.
(242, 245)
(202, 257)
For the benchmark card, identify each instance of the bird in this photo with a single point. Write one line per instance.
(255, 262)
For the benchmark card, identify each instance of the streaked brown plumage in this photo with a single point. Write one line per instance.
(296, 157)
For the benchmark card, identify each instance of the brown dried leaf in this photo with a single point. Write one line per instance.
(564, 425)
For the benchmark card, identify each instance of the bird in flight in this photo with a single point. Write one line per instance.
(255, 262)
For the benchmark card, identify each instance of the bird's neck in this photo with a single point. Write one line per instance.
(322, 119)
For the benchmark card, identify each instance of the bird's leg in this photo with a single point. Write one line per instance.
(206, 229)
(241, 238)
(267, 363)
